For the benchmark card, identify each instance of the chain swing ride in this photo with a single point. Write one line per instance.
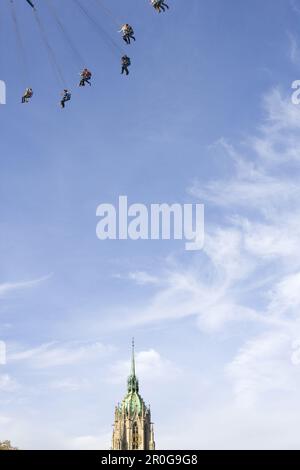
(126, 31)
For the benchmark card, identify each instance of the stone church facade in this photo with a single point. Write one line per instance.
(133, 429)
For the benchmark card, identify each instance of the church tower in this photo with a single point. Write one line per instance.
(133, 429)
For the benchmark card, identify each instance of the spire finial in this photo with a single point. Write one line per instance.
(133, 360)
(133, 383)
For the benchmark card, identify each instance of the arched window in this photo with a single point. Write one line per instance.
(135, 437)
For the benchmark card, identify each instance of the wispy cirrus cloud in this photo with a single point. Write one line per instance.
(56, 354)
(294, 49)
(295, 6)
(70, 384)
(247, 276)
(10, 287)
(249, 269)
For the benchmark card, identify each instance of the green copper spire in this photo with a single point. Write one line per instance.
(132, 383)
(133, 404)
(132, 359)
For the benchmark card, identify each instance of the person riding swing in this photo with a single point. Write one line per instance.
(66, 96)
(86, 76)
(27, 95)
(160, 5)
(126, 62)
(127, 33)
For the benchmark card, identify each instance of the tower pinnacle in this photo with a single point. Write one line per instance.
(133, 429)
(133, 383)
(133, 360)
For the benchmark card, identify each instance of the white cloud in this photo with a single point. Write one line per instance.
(286, 294)
(56, 354)
(8, 287)
(70, 384)
(7, 383)
(268, 240)
(230, 427)
(143, 278)
(250, 265)
(294, 49)
(4, 420)
(100, 442)
(295, 6)
(139, 277)
(150, 365)
(22, 432)
(248, 273)
(295, 358)
(262, 366)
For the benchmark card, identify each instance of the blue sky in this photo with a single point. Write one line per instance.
(205, 117)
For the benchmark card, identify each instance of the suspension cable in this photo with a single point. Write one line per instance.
(113, 44)
(68, 38)
(49, 49)
(109, 13)
(21, 47)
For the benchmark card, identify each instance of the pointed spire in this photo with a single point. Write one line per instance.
(133, 360)
(133, 383)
